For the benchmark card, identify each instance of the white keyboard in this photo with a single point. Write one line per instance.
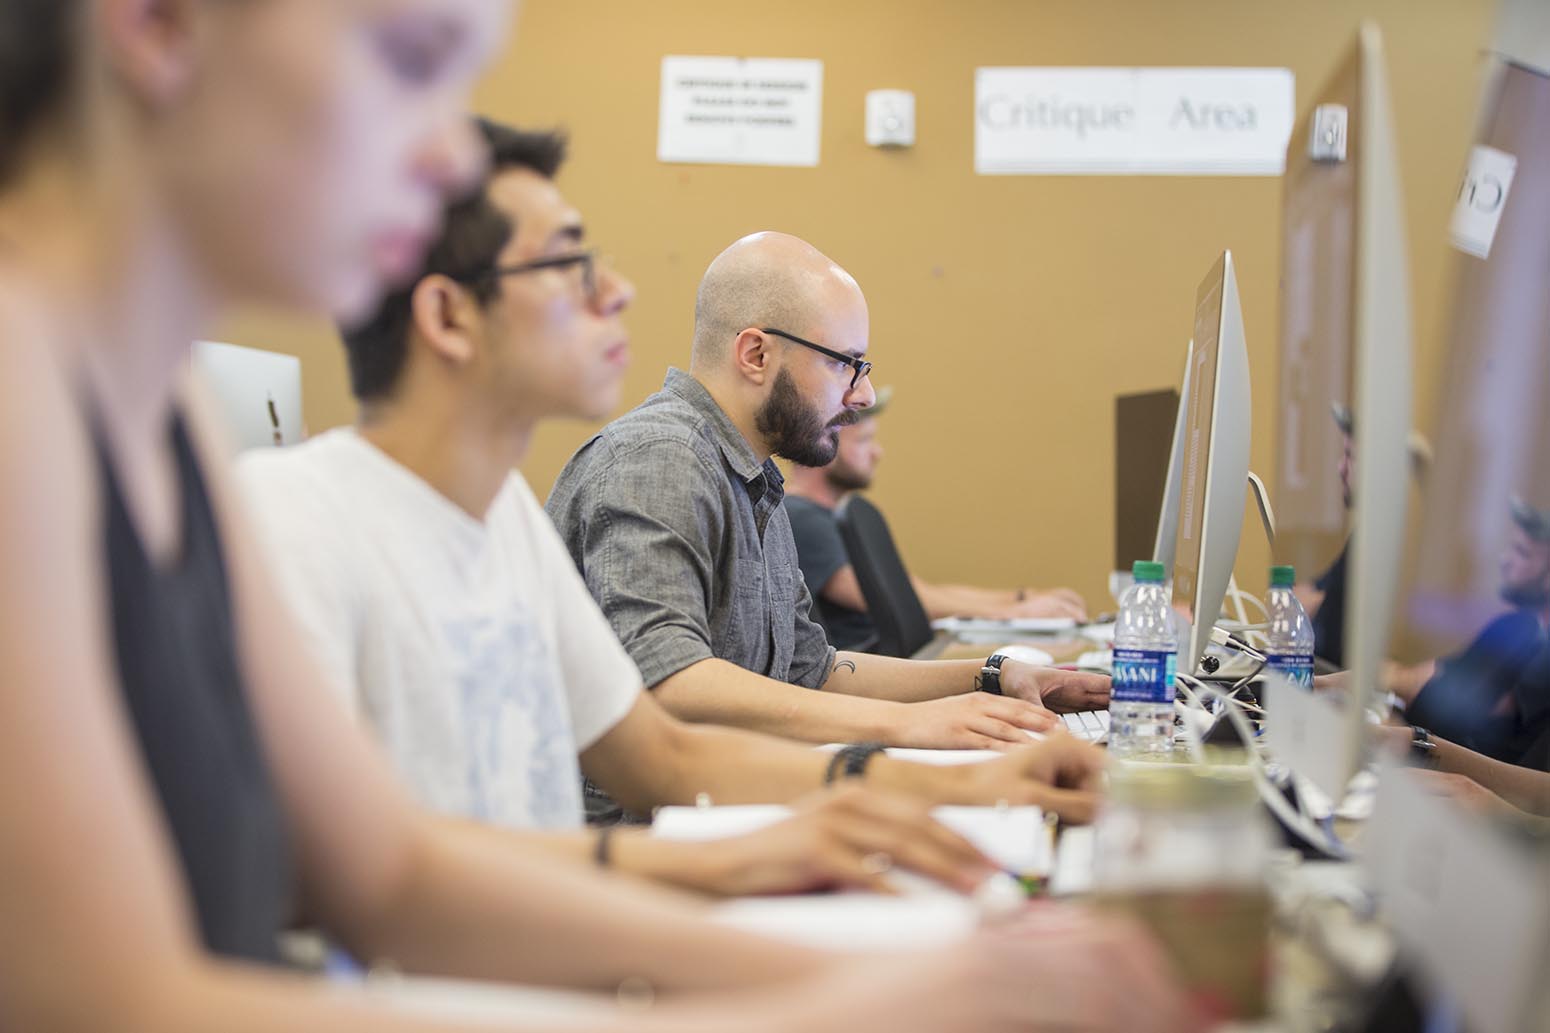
(1088, 725)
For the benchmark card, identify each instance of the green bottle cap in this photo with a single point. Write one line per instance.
(1283, 577)
(1147, 570)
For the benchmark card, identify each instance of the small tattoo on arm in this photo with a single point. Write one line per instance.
(979, 682)
(844, 663)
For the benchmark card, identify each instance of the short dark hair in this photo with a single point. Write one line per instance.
(473, 234)
(38, 49)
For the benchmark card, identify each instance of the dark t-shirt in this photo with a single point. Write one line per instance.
(1329, 620)
(1494, 697)
(175, 644)
(1537, 756)
(821, 554)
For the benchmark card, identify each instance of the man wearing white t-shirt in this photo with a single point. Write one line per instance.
(445, 606)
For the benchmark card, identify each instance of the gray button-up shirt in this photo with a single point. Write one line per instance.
(680, 534)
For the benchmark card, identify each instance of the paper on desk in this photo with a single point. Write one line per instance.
(1103, 634)
(1014, 838)
(1073, 869)
(855, 921)
(1355, 805)
(477, 1003)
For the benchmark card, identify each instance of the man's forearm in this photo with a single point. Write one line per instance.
(477, 905)
(961, 600)
(735, 766)
(674, 762)
(1524, 788)
(631, 851)
(937, 784)
(700, 867)
(932, 705)
(717, 692)
(904, 681)
(233, 998)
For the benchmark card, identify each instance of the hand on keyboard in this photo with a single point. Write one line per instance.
(1055, 687)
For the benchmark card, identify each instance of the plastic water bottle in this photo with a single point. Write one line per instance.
(1290, 649)
(1145, 661)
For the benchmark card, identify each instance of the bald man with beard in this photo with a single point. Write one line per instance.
(674, 515)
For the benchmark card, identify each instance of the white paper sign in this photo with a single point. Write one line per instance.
(1309, 734)
(1132, 121)
(1468, 900)
(1482, 196)
(740, 111)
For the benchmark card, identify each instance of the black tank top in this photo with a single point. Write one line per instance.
(177, 665)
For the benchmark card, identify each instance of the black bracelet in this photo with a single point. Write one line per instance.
(853, 758)
(602, 854)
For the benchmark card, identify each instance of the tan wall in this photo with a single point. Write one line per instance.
(1008, 311)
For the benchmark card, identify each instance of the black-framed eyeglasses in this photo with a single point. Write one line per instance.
(586, 259)
(861, 367)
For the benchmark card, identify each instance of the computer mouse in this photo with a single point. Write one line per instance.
(1026, 654)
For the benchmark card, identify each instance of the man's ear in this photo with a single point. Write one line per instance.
(444, 315)
(151, 45)
(753, 357)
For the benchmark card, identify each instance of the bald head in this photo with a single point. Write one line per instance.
(766, 280)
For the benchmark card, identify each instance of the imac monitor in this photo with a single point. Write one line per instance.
(1358, 212)
(258, 393)
(1491, 423)
(1215, 450)
(1143, 437)
(1451, 880)
(1448, 879)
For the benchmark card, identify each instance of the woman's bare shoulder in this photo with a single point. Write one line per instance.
(44, 445)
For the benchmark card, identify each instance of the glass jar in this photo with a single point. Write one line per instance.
(1184, 848)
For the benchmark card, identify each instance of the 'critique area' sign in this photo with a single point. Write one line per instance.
(1132, 121)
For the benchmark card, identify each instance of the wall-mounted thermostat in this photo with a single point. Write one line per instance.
(890, 118)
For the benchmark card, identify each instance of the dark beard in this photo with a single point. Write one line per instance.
(844, 479)
(793, 430)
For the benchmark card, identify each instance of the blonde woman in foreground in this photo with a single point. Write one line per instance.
(171, 796)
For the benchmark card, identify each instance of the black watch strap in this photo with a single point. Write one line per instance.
(1423, 751)
(990, 674)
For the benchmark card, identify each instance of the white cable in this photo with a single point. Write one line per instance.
(1250, 631)
(1227, 640)
(1258, 604)
(1294, 819)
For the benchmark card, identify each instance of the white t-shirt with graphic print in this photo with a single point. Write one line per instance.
(471, 648)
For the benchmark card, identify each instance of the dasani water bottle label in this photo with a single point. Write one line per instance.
(1296, 668)
(1144, 675)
